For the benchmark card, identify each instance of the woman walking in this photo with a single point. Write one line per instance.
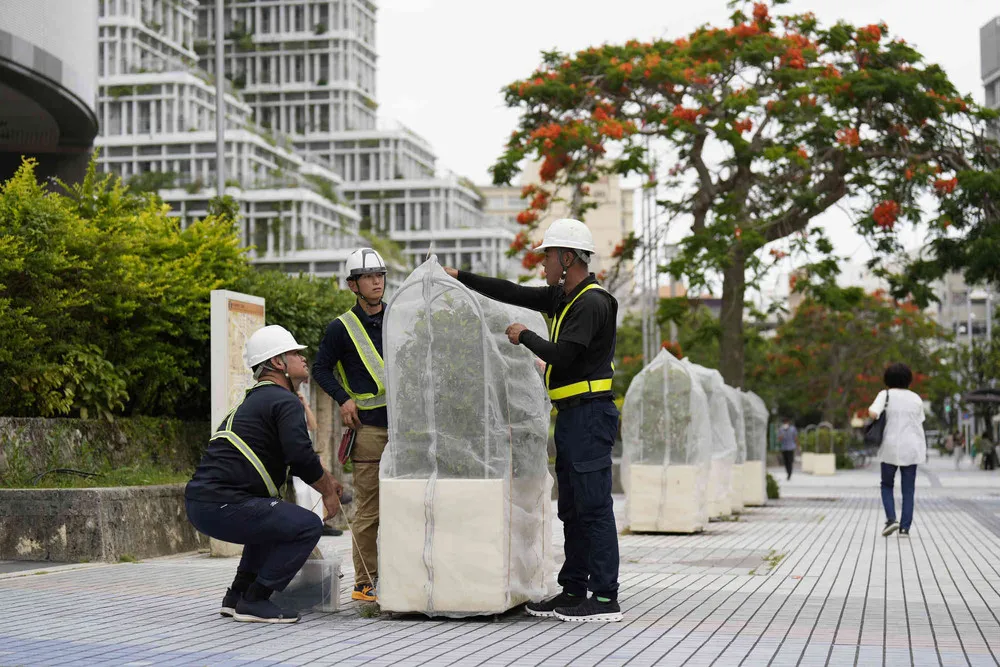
(903, 443)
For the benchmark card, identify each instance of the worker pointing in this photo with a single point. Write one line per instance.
(578, 371)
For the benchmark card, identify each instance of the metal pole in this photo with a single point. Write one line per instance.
(654, 295)
(989, 315)
(220, 101)
(643, 285)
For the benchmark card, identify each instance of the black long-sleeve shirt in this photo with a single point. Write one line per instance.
(272, 421)
(585, 347)
(337, 346)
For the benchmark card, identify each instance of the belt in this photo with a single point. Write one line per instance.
(579, 388)
(567, 403)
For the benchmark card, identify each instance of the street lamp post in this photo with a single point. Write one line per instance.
(220, 101)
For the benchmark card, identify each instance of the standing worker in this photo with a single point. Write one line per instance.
(350, 369)
(233, 495)
(579, 367)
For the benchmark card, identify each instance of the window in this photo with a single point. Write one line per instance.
(300, 19)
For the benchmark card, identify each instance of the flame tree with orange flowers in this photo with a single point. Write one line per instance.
(827, 360)
(750, 132)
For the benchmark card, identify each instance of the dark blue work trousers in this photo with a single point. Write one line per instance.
(907, 480)
(585, 435)
(277, 537)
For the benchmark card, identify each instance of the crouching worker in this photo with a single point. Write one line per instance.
(233, 495)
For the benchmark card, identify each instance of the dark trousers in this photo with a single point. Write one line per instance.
(277, 537)
(907, 478)
(584, 437)
(788, 457)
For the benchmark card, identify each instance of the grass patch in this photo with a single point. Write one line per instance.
(771, 561)
(370, 611)
(127, 558)
(147, 474)
(728, 518)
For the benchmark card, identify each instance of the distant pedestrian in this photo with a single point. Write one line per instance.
(988, 448)
(788, 438)
(959, 449)
(904, 445)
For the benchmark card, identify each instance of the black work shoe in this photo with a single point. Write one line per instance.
(591, 610)
(364, 592)
(547, 608)
(263, 611)
(229, 602)
(890, 528)
(904, 532)
(330, 530)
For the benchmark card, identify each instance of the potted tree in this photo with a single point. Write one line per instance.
(755, 417)
(734, 404)
(807, 442)
(465, 510)
(723, 442)
(825, 457)
(666, 438)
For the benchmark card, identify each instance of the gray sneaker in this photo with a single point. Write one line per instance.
(890, 528)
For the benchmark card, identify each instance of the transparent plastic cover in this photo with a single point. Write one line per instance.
(734, 401)
(755, 417)
(468, 419)
(666, 423)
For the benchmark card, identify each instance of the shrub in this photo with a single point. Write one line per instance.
(773, 493)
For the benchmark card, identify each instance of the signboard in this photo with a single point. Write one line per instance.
(234, 318)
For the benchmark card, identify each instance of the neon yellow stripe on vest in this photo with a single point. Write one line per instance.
(554, 336)
(243, 448)
(372, 360)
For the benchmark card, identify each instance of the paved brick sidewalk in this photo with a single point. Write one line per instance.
(805, 581)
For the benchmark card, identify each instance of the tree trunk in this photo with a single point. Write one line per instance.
(731, 319)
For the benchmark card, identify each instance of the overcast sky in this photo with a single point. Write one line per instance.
(442, 63)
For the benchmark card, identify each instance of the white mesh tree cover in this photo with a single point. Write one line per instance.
(755, 418)
(465, 510)
(667, 436)
(723, 443)
(734, 401)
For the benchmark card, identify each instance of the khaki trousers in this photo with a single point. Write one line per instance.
(366, 455)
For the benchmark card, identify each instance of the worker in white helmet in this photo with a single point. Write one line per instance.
(578, 371)
(349, 367)
(234, 493)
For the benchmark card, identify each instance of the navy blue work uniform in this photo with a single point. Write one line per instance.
(230, 500)
(579, 357)
(337, 349)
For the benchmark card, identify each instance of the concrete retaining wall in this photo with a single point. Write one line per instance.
(74, 525)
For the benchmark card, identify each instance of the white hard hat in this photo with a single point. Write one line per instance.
(363, 261)
(568, 233)
(270, 341)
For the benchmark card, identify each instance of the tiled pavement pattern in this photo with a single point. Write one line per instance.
(805, 581)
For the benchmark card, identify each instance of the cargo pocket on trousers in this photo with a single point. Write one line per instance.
(591, 487)
(593, 465)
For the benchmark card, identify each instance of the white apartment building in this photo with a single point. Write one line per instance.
(307, 69)
(156, 112)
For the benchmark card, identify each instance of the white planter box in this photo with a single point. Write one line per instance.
(665, 499)
(824, 464)
(719, 474)
(736, 489)
(754, 483)
(807, 462)
(468, 567)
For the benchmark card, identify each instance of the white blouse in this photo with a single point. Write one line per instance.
(903, 442)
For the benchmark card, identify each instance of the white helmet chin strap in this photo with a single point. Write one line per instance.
(266, 366)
